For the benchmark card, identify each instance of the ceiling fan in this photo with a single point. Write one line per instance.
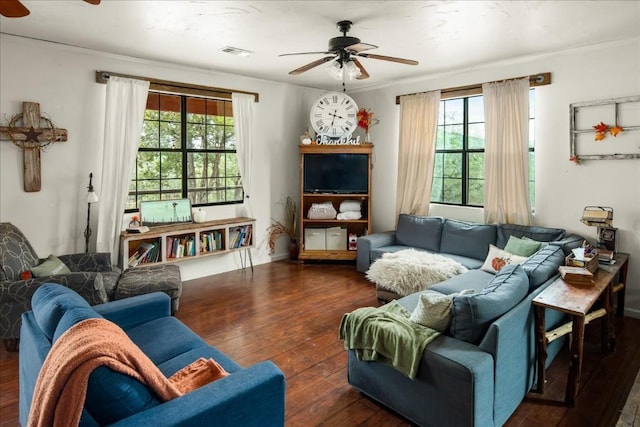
(15, 9)
(344, 50)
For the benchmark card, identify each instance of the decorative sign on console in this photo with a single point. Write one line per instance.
(347, 140)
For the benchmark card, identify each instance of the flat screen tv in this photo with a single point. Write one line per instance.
(336, 173)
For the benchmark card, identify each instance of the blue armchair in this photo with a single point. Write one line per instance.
(252, 396)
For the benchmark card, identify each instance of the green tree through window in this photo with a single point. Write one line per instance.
(458, 176)
(187, 150)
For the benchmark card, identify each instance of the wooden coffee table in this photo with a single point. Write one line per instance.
(577, 301)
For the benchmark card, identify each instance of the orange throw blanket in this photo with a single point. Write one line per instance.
(61, 388)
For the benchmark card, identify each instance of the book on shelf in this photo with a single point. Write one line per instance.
(576, 275)
(141, 253)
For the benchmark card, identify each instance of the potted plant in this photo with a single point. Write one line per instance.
(285, 228)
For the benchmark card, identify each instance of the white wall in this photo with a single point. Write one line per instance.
(563, 189)
(62, 80)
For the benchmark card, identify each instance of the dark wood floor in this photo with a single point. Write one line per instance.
(290, 313)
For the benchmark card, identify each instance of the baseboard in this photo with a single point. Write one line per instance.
(632, 312)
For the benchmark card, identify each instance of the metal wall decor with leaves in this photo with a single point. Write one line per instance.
(605, 130)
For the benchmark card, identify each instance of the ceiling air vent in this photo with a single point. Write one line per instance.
(236, 51)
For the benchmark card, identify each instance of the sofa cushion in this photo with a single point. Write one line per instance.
(472, 279)
(542, 265)
(112, 396)
(467, 238)
(473, 313)
(419, 231)
(73, 316)
(523, 247)
(50, 267)
(498, 258)
(542, 234)
(152, 338)
(50, 302)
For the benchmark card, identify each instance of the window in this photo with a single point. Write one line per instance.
(187, 150)
(458, 177)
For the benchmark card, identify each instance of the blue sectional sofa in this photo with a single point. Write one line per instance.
(252, 396)
(478, 371)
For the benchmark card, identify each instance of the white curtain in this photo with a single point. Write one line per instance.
(243, 119)
(126, 102)
(506, 192)
(418, 126)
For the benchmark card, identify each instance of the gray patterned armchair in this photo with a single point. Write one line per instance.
(92, 276)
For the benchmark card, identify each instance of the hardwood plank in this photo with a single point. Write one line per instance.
(290, 313)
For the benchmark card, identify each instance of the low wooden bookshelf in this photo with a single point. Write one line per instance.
(180, 242)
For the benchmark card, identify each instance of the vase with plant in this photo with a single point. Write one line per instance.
(365, 121)
(285, 228)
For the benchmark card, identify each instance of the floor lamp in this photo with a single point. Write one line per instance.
(92, 197)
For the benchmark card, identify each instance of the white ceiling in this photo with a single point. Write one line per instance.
(441, 35)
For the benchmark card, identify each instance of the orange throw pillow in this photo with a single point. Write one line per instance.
(197, 374)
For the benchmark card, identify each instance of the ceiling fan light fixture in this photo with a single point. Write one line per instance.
(340, 70)
(351, 70)
(335, 69)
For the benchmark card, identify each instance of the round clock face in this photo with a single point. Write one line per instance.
(334, 114)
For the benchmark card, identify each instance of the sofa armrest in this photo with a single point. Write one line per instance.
(250, 397)
(372, 241)
(454, 385)
(511, 341)
(568, 242)
(100, 261)
(134, 311)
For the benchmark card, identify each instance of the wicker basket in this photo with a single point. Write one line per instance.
(590, 264)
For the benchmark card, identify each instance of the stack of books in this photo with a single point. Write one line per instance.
(605, 256)
(576, 275)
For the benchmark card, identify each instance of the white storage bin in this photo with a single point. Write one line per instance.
(336, 238)
(314, 239)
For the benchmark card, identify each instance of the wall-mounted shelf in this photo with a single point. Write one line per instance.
(624, 112)
(180, 242)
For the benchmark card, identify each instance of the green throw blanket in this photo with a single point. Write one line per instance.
(386, 335)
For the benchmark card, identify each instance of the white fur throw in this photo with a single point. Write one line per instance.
(409, 271)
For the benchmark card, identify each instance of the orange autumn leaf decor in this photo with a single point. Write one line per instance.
(602, 129)
(614, 131)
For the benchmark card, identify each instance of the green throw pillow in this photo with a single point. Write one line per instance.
(50, 267)
(542, 244)
(522, 247)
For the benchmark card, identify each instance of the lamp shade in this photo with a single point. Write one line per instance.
(92, 197)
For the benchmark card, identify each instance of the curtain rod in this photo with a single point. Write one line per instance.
(166, 85)
(540, 79)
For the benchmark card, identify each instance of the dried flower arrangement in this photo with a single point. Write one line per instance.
(366, 120)
(288, 228)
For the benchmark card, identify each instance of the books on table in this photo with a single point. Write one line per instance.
(576, 275)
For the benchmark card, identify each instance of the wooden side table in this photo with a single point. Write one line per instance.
(577, 301)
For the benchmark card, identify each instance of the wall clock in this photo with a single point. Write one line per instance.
(333, 115)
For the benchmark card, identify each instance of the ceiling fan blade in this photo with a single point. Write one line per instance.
(360, 47)
(363, 73)
(301, 53)
(389, 58)
(311, 65)
(93, 2)
(13, 9)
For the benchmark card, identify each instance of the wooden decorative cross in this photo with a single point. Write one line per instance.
(31, 138)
